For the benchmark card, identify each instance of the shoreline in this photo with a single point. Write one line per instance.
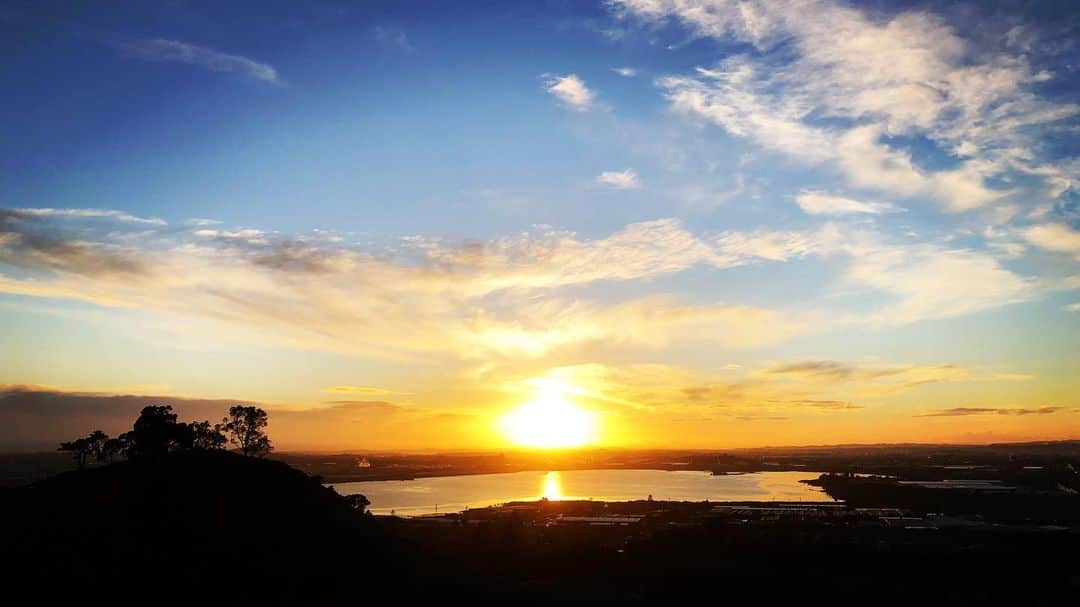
(595, 486)
(405, 476)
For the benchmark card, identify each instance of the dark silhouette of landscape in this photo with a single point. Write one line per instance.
(166, 513)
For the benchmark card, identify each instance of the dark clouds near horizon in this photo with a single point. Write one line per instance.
(34, 419)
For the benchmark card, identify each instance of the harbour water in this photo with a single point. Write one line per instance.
(456, 493)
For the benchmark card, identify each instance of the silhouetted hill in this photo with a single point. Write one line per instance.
(210, 527)
(216, 528)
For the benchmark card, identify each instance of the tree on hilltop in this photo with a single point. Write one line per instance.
(246, 429)
(79, 449)
(208, 437)
(82, 449)
(156, 433)
(111, 448)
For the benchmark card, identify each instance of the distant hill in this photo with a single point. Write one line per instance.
(234, 529)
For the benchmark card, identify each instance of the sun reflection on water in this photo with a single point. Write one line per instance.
(551, 486)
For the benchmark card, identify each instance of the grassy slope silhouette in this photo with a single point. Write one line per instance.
(210, 525)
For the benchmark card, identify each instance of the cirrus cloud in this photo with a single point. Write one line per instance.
(966, 411)
(821, 203)
(842, 101)
(175, 51)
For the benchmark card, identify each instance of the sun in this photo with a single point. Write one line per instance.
(549, 422)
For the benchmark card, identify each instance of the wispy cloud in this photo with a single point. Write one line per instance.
(201, 222)
(362, 390)
(908, 74)
(393, 37)
(86, 214)
(626, 72)
(835, 405)
(670, 389)
(922, 276)
(965, 411)
(161, 49)
(728, 97)
(879, 380)
(499, 297)
(466, 300)
(619, 180)
(30, 241)
(571, 90)
(821, 203)
(831, 370)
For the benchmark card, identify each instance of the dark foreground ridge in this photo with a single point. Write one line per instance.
(214, 527)
(200, 526)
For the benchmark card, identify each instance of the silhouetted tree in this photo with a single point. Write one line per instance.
(207, 436)
(358, 502)
(156, 433)
(97, 440)
(245, 428)
(80, 449)
(111, 448)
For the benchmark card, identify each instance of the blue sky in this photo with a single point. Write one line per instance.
(645, 200)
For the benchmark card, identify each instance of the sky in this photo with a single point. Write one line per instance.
(704, 223)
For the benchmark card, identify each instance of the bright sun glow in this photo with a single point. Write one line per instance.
(551, 486)
(550, 422)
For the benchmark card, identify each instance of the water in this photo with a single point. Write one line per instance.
(456, 493)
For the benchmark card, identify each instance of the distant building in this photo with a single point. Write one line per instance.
(599, 521)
